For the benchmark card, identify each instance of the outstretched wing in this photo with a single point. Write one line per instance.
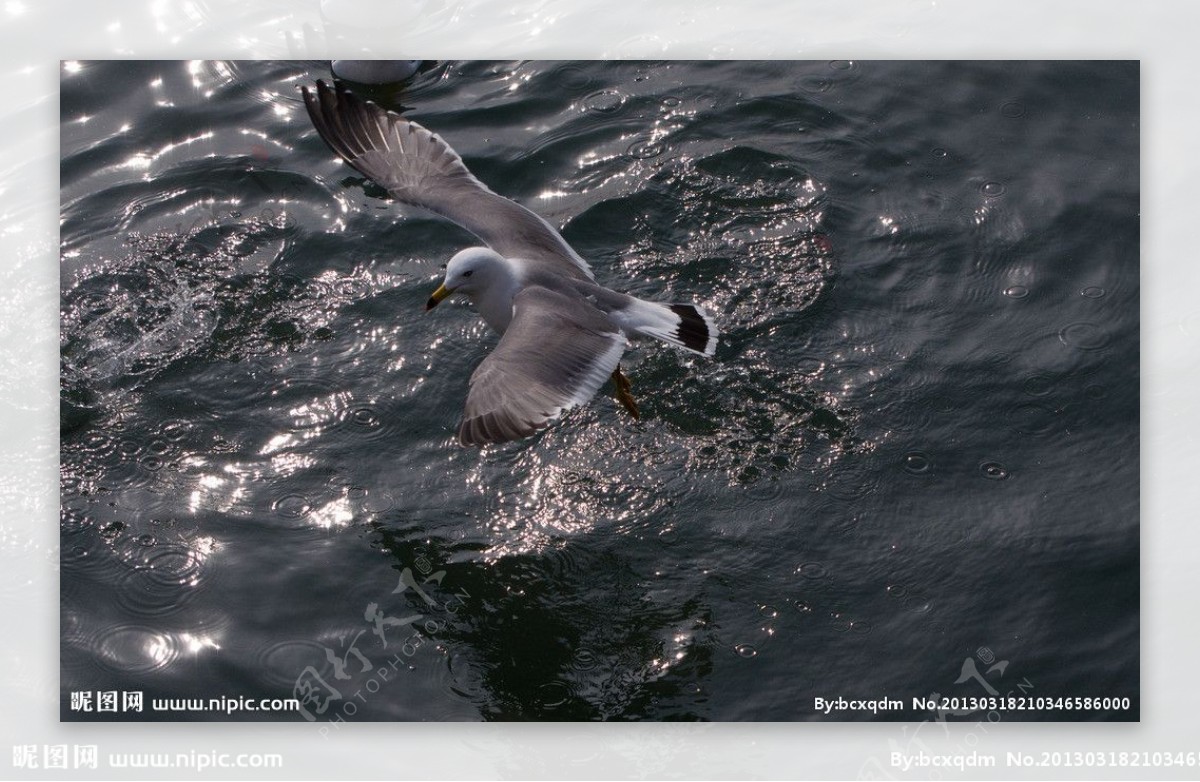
(419, 168)
(555, 354)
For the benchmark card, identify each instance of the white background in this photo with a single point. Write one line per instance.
(35, 36)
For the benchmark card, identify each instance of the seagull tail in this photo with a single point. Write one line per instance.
(685, 326)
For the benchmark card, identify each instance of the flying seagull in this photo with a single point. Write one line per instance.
(562, 334)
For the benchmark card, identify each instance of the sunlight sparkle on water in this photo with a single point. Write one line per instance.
(335, 514)
(216, 492)
(140, 160)
(285, 464)
(198, 643)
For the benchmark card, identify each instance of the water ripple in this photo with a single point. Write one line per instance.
(135, 649)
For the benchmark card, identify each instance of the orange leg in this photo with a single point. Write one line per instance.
(623, 395)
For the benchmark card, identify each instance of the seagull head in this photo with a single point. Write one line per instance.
(473, 272)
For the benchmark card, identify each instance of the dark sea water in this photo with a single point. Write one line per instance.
(912, 467)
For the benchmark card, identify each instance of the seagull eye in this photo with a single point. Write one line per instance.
(468, 272)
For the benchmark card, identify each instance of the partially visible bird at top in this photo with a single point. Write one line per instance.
(375, 71)
(562, 334)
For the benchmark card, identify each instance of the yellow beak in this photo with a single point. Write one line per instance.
(437, 296)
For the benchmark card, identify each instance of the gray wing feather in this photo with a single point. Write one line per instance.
(419, 168)
(555, 354)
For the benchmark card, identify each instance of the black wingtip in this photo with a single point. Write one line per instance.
(329, 109)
